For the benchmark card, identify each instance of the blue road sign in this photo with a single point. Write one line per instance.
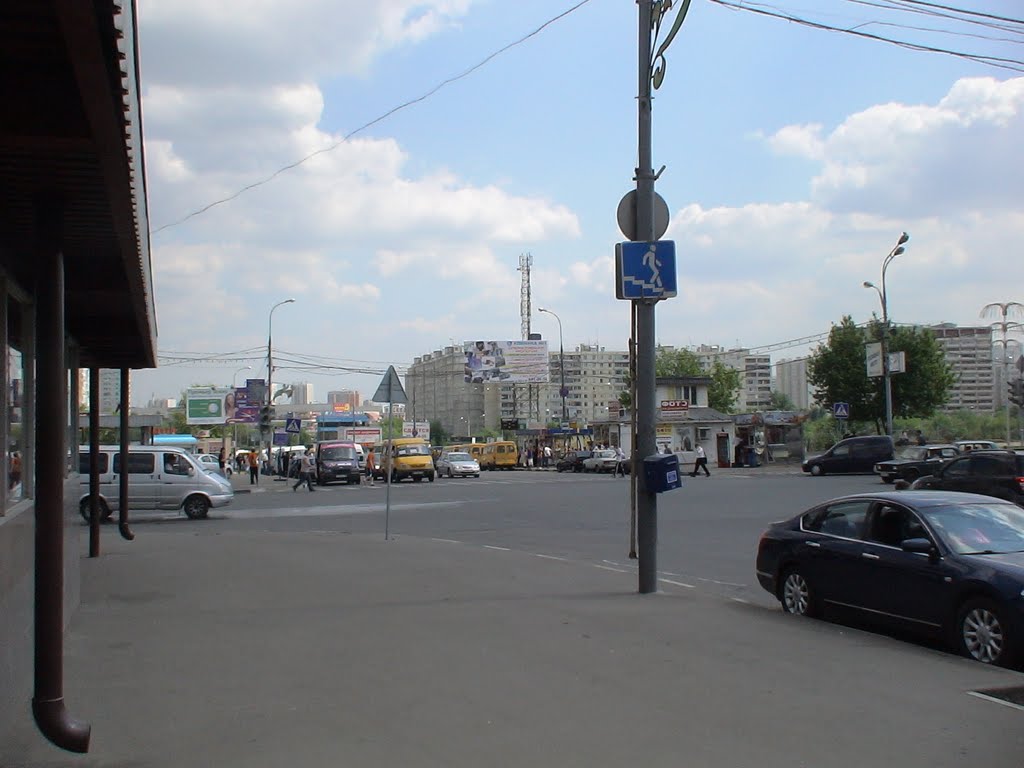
(293, 425)
(645, 270)
(841, 410)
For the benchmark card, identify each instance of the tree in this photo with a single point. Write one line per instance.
(438, 434)
(780, 401)
(725, 381)
(676, 363)
(838, 373)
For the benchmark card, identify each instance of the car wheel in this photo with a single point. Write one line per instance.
(450, 475)
(83, 509)
(816, 470)
(196, 507)
(430, 477)
(796, 595)
(982, 634)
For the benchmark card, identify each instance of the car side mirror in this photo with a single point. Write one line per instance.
(920, 546)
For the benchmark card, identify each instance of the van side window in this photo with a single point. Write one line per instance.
(83, 463)
(175, 464)
(138, 464)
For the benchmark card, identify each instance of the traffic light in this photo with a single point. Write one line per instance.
(265, 417)
(1017, 392)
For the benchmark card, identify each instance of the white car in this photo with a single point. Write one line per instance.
(457, 464)
(209, 462)
(600, 461)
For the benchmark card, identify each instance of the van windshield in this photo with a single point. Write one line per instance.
(337, 452)
(412, 450)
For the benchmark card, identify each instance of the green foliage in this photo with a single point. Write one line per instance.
(676, 362)
(438, 434)
(780, 401)
(724, 387)
(838, 374)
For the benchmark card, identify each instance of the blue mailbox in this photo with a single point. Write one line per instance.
(661, 470)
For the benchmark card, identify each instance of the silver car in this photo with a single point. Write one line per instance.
(457, 464)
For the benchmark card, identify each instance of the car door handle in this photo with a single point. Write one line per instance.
(813, 544)
(870, 556)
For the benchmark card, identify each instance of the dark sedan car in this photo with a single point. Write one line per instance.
(950, 564)
(572, 461)
(913, 461)
(992, 473)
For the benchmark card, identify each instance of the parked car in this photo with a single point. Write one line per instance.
(949, 564)
(572, 461)
(457, 464)
(211, 463)
(853, 454)
(992, 473)
(913, 461)
(600, 461)
(975, 445)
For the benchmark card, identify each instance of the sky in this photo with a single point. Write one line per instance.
(793, 160)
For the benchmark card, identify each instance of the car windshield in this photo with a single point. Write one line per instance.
(459, 457)
(605, 454)
(980, 528)
(910, 453)
(337, 452)
(412, 450)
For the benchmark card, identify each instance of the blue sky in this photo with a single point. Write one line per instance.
(794, 158)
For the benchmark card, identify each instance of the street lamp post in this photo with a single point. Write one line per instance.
(1004, 309)
(234, 427)
(883, 296)
(270, 371)
(561, 363)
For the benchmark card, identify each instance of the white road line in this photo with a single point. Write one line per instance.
(740, 600)
(994, 700)
(609, 568)
(500, 549)
(677, 583)
(550, 557)
(447, 541)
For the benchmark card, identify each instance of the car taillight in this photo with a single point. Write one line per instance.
(1020, 484)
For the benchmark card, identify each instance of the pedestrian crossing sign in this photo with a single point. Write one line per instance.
(645, 270)
(841, 410)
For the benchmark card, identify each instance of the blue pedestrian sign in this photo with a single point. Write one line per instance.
(841, 410)
(645, 270)
(293, 425)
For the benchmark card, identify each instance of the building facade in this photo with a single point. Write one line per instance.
(302, 393)
(349, 397)
(968, 352)
(755, 391)
(791, 381)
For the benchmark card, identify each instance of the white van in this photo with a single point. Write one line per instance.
(158, 478)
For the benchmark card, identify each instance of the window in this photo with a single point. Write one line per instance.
(83, 462)
(892, 525)
(958, 468)
(174, 464)
(989, 465)
(845, 519)
(138, 463)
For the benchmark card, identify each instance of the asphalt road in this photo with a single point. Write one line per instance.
(707, 530)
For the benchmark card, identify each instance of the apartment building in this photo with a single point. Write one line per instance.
(302, 393)
(791, 381)
(969, 353)
(755, 392)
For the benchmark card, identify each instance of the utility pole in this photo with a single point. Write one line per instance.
(651, 71)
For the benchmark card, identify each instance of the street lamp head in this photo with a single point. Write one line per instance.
(869, 284)
(903, 238)
(899, 249)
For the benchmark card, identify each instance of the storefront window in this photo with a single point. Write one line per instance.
(15, 404)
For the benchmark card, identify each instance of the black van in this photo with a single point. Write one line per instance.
(854, 454)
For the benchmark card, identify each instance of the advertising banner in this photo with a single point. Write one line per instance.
(873, 359)
(210, 405)
(506, 362)
(421, 428)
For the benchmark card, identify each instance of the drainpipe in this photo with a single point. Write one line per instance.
(122, 507)
(51, 410)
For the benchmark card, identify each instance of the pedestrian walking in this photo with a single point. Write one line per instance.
(620, 462)
(254, 469)
(370, 463)
(221, 461)
(547, 456)
(307, 469)
(701, 462)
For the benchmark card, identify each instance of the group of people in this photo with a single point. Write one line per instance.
(539, 456)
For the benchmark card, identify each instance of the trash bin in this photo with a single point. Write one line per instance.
(752, 458)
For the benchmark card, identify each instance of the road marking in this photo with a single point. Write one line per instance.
(500, 549)
(994, 700)
(677, 583)
(609, 568)
(550, 557)
(447, 541)
(740, 600)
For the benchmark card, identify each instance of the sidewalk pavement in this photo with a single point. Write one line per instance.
(223, 646)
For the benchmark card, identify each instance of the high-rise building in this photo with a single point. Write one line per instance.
(755, 392)
(791, 381)
(110, 391)
(594, 379)
(969, 353)
(349, 397)
(302, 393)
(436, 390)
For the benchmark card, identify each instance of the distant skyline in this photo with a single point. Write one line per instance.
(794, 158)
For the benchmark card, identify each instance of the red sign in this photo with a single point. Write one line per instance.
(675, 405)
(342, 407)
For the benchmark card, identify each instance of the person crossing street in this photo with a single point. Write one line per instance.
(701, 462)
(307, 469)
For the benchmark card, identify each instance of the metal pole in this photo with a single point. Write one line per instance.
(270, 377)
(885, 360)
(647, 503)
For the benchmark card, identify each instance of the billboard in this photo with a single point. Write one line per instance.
(416, 429)
(506, 362)
(213, 405)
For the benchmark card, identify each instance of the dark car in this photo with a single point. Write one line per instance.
(337, 461)
(852, 454)
(572, 461)
(913, 461)
(992, 473)
(950, 564)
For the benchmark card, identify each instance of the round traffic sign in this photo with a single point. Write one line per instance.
(626, 216)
